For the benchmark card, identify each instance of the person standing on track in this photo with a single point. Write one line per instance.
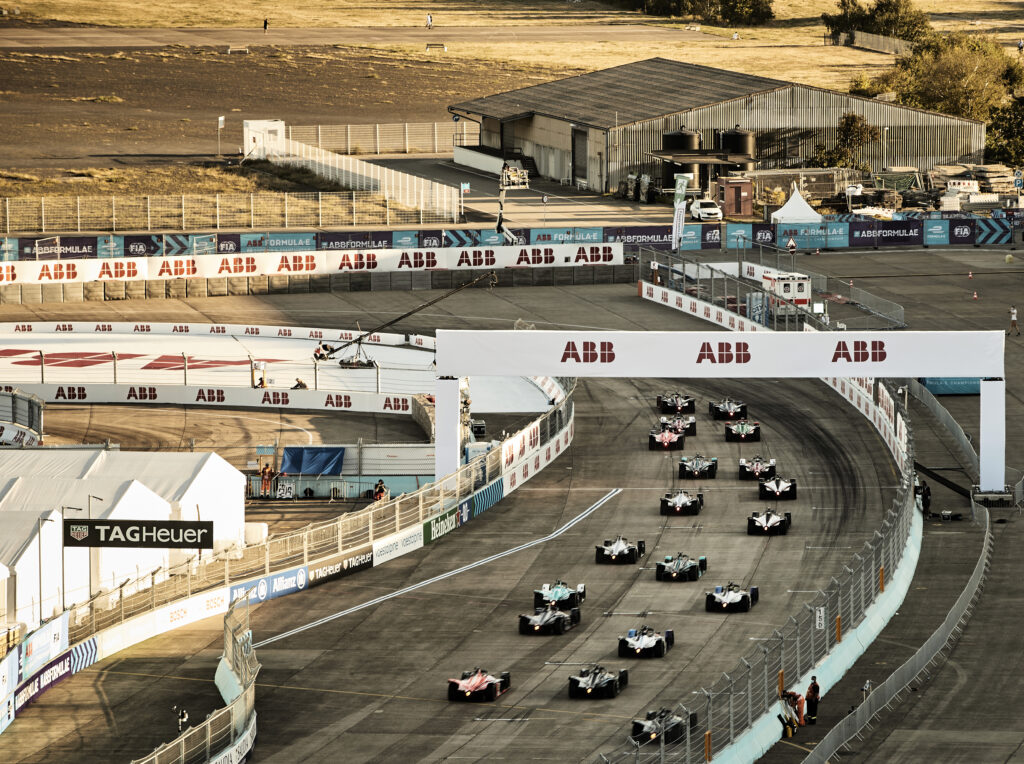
(1013, 321)
(430, 21)
(266, 23)
(813, 695)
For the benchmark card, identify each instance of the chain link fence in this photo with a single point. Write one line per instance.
(225, 726)
(398, 138)
(403, 198)
(190, 212)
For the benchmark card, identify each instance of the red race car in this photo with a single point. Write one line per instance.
(478, 685)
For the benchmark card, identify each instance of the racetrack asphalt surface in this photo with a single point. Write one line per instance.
(122, 706)
(373, 683)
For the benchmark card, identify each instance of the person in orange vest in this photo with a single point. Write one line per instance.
(265, 478)
(796, 702)
(813, 696)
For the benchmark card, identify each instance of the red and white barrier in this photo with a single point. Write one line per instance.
(318, 262)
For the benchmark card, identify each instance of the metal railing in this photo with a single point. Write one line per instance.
(365, 205)
(942, 639)
(881, 43)
(347, 533)
(222, 727)
(733, 703)
(937, 410)
(399, 138)
(24, 410)
(403, 198)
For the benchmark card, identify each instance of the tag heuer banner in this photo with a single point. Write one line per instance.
(679, 219)
(151, 534)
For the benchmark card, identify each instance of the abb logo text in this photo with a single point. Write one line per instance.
(860, 351)
(589, 352)
(724, 352)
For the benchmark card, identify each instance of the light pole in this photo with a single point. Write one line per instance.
(89, 505)
(39, 547)
(64, 560)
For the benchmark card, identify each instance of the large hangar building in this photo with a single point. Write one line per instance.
(594, 129)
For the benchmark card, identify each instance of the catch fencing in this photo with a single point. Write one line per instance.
(227, 726)
(23, 410)
(733, 703)
(403, 198)
(398, 138)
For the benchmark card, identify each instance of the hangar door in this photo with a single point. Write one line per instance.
(579, 155)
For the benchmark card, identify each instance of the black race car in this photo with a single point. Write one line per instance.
(776, 489)
(682, 567)
(549, 620)
(662, 723)
(728, 409)
(676, 403)
(477, 685)
(730, 599)
(619, 551)
(560, 593)
(595, 682)
(645, 642)
(698, 466)
(768, 524)
(743, 431)
(757, 468)
(682, 503)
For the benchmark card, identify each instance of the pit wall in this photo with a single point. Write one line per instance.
(889, 423)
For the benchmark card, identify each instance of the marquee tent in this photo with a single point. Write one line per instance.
(796, 210)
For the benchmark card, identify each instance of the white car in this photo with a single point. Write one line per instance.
(705, 209)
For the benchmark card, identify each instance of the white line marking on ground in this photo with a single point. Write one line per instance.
(384, 598)
(309, 435)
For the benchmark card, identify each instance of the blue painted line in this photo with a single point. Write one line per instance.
(471, 566)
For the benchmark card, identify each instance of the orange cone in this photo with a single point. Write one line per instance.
(975, 295)
(970, 274)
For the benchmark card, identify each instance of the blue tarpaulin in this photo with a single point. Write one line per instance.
(312, 460)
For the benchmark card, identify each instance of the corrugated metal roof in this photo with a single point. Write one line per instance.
(623, 94)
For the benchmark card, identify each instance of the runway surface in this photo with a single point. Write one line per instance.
(373, 684)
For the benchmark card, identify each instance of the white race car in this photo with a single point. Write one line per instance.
(730, 599)
(768, 524)
(645, 642)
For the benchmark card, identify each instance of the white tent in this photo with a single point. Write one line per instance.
(198, 486)
(796, 210)
(23, 584)
(96, 498)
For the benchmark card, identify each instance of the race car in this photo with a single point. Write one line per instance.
(561, 593)
(477, 685)
(698, 466)
(682, 567)
(662, 723)
(776, 489)
(684, 424)
(742, 431)
(728, 409)
(549, 620)
(768, 524)
(682, 503)
(757, 468)
(595, 682)
(619, 551)
(664, 438)
(730, 599)
(645, 642)
(676, 403)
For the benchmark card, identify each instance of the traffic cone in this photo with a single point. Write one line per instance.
(970, 274)
(975, 295)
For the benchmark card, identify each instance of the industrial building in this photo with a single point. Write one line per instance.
(594, 129)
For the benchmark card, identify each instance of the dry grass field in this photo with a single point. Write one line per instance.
(136, 121)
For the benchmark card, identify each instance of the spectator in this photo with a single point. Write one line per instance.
(379, 491)
(299, 385)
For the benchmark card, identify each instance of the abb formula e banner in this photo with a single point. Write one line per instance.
(707, 354)
(320, 262)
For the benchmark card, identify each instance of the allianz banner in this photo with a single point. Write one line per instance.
(886, 233)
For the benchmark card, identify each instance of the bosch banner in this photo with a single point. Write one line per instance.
(707, 354)
(148, 534)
